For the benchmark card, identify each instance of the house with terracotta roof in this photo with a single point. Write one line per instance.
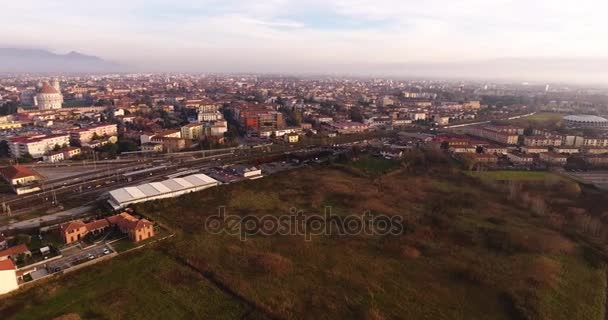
(21, 178)
(136, 229)
(8, 276)
(15, 251)
(73, 231)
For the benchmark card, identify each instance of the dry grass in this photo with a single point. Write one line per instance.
(469, 252)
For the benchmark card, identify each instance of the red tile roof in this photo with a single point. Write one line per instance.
(72, 225)
(12, 251)
(16, 171)
(7, 265)
(97, 224)
(47, 88)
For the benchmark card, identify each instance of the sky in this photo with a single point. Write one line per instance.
(309, 35)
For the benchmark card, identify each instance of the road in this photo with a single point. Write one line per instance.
(75, 256)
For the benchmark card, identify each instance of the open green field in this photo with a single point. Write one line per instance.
(540, 120)
(375, 166)
(468, 251)
(546, 116)
(142, 285)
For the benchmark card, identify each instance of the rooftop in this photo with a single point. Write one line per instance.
(585, 118)
(7, 265)
(17, 171)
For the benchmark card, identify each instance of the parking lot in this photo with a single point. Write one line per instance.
(74, 256)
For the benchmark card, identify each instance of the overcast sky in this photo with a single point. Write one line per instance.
(307, 35)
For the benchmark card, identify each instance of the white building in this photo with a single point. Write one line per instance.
(123, 197)
(209, 116)
(37, 146)
(49, 97)
(8, 276)
(86, 135)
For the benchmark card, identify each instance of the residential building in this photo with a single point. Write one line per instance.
(86, 135)
(595, 142)
(21, 179)
(541, 140)
(348, 127)
(73, 231)
(597, 160)
(520, 158)
(493, 149)
(566, 150)
(595, 150)
(192, 131)
(216, 128)
(62, 154)
(8, 276)
(170, 144)
(292, 138)
(467, 148)
(152, 147)
(500, 134)
(573, 141)
(14, 252)
(553, 158)
(534, 149)
(136, 229)
(36, 146)
(484, 158)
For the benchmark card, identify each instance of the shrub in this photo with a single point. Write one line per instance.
(271, 263)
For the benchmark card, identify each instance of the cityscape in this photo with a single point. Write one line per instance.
(235, 178)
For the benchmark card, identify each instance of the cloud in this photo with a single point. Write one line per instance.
(205, 34)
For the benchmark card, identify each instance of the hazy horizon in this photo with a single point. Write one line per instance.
(504, 39)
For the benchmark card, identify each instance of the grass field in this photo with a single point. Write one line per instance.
(143, 285)
(540, 119)
(375, 166)
(468, 252)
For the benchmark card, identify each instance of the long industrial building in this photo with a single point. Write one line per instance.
(123, 197)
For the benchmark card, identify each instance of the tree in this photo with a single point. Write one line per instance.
(355, 114)
(75, 143)
(9, 107)
(4, 149)
(109, 149)
(26, 158)
(127, 145)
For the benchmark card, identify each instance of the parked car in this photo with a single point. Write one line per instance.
(91, 256)
(106, 251)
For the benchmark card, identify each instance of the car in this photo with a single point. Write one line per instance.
(106, 251)
(91, 256)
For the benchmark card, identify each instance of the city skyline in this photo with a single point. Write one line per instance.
(470, 38)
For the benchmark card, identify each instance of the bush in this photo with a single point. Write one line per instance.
(592, 257)
(271, 263)
(499, 241)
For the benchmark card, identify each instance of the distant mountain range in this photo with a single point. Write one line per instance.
(41, 61)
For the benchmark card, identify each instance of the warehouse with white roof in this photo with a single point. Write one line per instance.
(123, 197)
